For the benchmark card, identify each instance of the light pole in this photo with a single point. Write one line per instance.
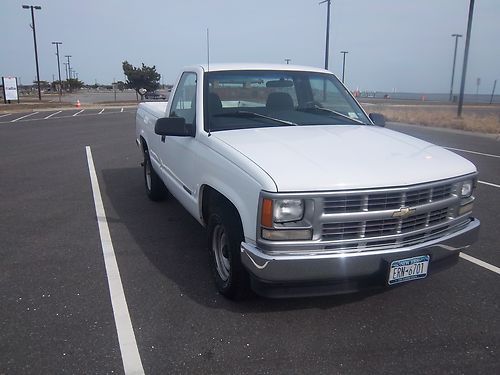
(329, 3)
(288, 61)
(58, 68)
(343, 64)
(456, 36)
(37, 7)
(466, 56)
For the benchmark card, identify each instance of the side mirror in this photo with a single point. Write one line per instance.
(377, 118)
(173, 126)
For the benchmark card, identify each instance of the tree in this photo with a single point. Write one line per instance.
(144, 77)
(74, 84)
(120, 85)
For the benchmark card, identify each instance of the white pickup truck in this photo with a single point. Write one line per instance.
(302, 192)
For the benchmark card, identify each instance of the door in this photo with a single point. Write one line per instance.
(178, 154)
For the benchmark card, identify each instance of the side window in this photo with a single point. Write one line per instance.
(184, 101)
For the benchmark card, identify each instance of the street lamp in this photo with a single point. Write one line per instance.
(288, 61)
(58, 68)
(37, 7)
(327, 30)
(456, 36)
(343, 64)
(466, 56)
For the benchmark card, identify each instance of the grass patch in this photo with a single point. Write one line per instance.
(484, 119)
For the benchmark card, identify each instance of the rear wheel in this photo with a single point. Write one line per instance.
(224, 238)
(155, 189)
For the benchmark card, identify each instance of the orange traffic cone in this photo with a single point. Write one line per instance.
(78, 105)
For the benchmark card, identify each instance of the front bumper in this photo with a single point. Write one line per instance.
(319, 274)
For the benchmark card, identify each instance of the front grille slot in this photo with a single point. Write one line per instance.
(441, 192)
(341, 231)
(385, 201)
(417, 197)
(342, 203)
(413, 223)
(376, 228)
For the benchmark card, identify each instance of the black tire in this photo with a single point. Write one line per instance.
(224, 238)
(155, 189)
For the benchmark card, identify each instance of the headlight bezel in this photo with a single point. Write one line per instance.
(285, 217)
(468, 186)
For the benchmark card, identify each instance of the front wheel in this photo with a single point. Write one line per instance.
(224, 239)
(155, 189)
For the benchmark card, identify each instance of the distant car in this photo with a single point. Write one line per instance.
(154, 95)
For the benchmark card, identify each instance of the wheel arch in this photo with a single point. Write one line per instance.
(210, 198)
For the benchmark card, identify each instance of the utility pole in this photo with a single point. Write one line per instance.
(456, 36)
(58, 68)
(37, 7)
(493, 91)
(66, 68)
(327, 46)
(69, 71)
(466, 56)
(478, 82)
(69, 65)
(343, 64)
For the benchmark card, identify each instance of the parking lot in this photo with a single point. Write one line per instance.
(56, 273)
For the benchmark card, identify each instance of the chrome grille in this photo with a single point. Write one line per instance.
(379, 201)
(374, 224)
(378, 228)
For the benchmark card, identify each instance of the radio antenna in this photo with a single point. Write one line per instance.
(208, 50)
(208, 69)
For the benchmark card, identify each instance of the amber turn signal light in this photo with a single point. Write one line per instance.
(266, 218)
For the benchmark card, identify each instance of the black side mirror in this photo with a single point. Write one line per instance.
(173, 126)
(377, 118)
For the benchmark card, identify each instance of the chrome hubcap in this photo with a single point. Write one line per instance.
(220, 247)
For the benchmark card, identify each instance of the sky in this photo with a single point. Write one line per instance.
(402, 45)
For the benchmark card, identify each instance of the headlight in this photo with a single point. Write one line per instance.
(467, 188)
(286, 210)
(284, 220)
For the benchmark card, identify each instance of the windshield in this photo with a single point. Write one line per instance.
(251, 99)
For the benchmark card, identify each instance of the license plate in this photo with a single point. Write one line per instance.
(408, 269)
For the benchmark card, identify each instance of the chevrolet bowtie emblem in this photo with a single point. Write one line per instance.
(404, 212)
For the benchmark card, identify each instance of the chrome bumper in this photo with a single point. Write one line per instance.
(296, 269)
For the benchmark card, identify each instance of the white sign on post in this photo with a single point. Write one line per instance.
(10, 88)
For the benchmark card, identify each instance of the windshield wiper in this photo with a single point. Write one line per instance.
(248, 114)
(318, 108)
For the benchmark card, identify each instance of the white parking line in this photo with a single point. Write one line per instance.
(49, 116)
(7, 114)
(77, 113)
(121, 110)
(474, 152)
(480, 263)
(102, 110)
(131, 359)
(489, 184)
(20, 118)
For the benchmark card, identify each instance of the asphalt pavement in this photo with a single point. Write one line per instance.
(57, 317)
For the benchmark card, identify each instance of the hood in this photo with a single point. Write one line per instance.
(322, 158)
